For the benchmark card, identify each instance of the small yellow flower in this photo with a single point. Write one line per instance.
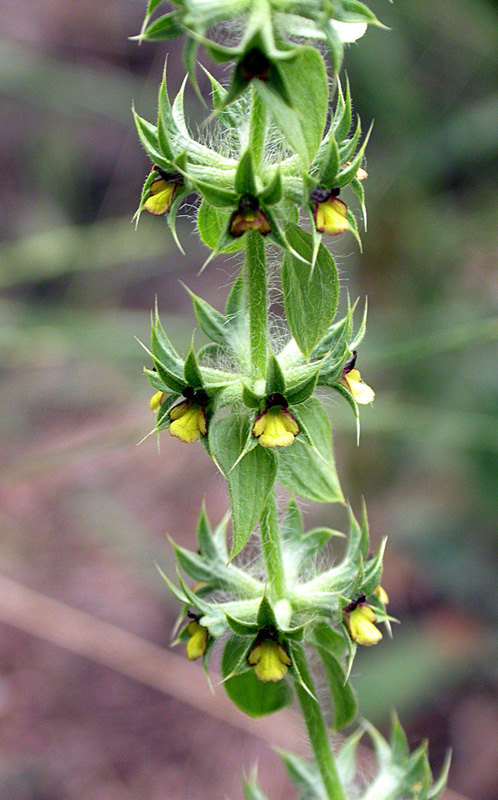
(248, 217)
(275, 427)
(331, 216)
(160, 196)
(361, 625)
(361, 391)
(157, 400)
(269, 659)
(188, 421)
(351, 378)
(361, 174)
(382, 595)
(197, 643)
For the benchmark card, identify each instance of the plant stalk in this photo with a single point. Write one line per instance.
(257, 302)
(257, 129)
(317, 730)
(272, 552)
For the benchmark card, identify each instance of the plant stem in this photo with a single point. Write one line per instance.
(272, 552)
(257, 302)
(257, 129)
(317, 730)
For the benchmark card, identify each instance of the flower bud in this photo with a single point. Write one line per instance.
(157, 400)
(160, 199)
(249, 217)
(197, 642)
(382, 595)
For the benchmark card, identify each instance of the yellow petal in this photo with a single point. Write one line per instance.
(361, 626)
(361, 391)
(382, 595)
(196, 645)
(272, 662)
(188, 421)
(160, 196)
(156, 401)
(275, 427)
(331, 217)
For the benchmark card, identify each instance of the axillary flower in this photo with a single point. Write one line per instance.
(197, 641)
(330, 213)
(360, 619)
(248, 217)
(268, 657)
(157, 400)
(161, 192)
(275, 426)
(351, 378)
(188, 418)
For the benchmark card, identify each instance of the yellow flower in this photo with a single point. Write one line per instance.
(248, 217)
(361, 174)
(188, 421)
(269, 659)
(160, 197)
(382, 595)
(157, 400)
(361, 391)
(331, 216)
(275, 427)
(361, 625)
(197, 643)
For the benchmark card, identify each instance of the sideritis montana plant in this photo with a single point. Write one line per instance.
(287, 166)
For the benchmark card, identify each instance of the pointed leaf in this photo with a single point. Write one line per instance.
(275, 381)
(306, 472)
(249, 483)
(342, 693)
(310, 297)
(245, 180)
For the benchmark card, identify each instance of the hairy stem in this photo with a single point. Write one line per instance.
(257, 301)
(272, 552)
(317, 730)
(257, 129)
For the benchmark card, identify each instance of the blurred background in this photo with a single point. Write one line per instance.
(89, 709)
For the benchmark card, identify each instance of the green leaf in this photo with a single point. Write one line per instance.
(275, 381)
(245, 180)
(248, 693)
(285, 118)
(148, 137)
(310, 296)
(342, 693)
(266, 616)
(302, 774)
(252, 789)
(249, 482)
(304, 471)
(331, 164)
(192, 372)
(302, 391)
(236, 300)
(307, 83)
(212, 223)
(166, 27)
(211, 321)
(272, 193)
(343, 123)
(216, 195)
